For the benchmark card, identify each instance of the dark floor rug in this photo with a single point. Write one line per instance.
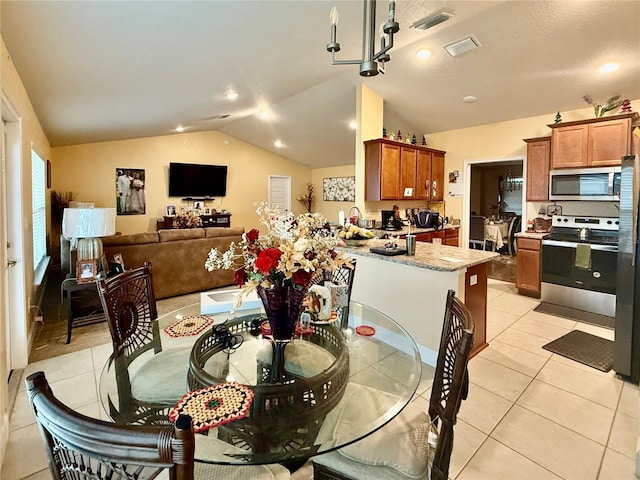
(585, 348)
(574, 314)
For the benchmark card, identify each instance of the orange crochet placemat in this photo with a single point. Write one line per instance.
(212, 406)
(188, 326)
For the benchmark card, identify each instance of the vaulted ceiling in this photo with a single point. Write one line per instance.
(98, 71)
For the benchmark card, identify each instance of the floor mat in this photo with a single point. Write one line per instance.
(585, 348)
(574, 314)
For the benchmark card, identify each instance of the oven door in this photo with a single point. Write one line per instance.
(559, 266)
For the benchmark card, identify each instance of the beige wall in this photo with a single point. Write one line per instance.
(89, 172)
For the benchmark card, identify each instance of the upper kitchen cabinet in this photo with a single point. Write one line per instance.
(597, 142)
(397, 171)
(538, 159)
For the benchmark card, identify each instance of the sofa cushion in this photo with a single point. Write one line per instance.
(211, 232)
(180, 234)
(131, 239)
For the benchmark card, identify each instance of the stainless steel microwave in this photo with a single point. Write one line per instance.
(597, 184)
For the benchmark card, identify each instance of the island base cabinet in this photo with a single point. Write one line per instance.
(528, 265)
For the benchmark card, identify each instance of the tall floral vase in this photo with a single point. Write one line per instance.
(282, 306)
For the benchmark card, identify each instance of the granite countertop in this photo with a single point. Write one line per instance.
(534, 235)
(405, 230)
(433, 257)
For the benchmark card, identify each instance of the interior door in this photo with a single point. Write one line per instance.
(280, 192)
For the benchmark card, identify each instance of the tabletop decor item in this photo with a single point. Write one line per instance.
(188, 326)
(307, 198)
(599, 110)
(212, 406)
(280, 264)
(189, 219)
(355, 236)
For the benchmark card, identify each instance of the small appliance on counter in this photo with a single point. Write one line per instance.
(390, 222)
(428, 219)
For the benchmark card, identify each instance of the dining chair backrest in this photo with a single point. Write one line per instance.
(515, 225)
(476, 230)
(451, 379)
(130, 307)
(80, 447)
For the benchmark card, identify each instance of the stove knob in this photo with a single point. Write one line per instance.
(609, 222)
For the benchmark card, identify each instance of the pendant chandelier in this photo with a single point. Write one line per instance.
(372, 62)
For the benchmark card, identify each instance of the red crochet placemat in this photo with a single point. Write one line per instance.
(187, 326)
(213, 406)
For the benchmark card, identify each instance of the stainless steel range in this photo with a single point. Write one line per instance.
(579, 262)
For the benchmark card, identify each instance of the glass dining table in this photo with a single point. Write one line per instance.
(335, 384)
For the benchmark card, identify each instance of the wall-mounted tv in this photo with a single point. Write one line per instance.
(197, 180)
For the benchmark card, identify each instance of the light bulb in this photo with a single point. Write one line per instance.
(333, 16)
(423, 53)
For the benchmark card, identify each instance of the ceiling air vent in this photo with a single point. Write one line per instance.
(220, 116)
(431, 21)
(456, 48)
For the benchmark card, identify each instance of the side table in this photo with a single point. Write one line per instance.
(83, 303)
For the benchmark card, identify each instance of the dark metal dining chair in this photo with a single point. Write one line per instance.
(80, 447)
(129, 304)
(515, 224)
(450, 387)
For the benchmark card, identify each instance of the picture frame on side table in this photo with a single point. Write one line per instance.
(86, 271)
(117, 257)
(207, 211)
(171, 210)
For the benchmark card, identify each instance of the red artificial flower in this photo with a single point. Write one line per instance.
(268, 260)
(240, 276)
(252, 235)
(301, 277)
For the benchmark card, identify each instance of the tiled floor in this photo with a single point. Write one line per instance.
(530, 414)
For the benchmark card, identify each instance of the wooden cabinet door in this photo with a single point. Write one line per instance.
(423, 175)
(538, 158)
(451, 237)
(423, 237)
(408, 159)
(608, 142)
(569, 146)
(389, 172)
(528, 266)
(437, 176)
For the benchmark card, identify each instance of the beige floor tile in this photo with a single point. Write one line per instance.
(498, 379)
(499, 314)
(494, 461)
(514, 303)
(576, 413)
(426, 379)
(398, 365)
(41, 475)
(467, 441)
(25, 454)
(101, 354)
(514, 357)
(77, 391)
(541, 329)
(583, 367)
(556, 448)
(629, 400)
(595, 386)
(496, 327)
(595, 330)
(63, 366)
(22, 414)
(483, 409)
(551, 319)
(525, 341)
(624, 435)
(616, 466)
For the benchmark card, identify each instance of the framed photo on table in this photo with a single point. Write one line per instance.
(117, 257)
(86, 271)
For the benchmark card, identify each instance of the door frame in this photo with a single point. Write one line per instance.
(466, 205)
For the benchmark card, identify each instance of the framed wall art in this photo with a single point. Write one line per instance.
(339, 189)
(130, 191)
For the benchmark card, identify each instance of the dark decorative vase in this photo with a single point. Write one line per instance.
(282, 306)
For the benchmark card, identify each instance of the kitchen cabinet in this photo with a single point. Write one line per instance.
(451, 237)
(397, 171)
(597, 142)
(538, 160)
(528, 266)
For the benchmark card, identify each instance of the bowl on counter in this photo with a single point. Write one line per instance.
(356, 242)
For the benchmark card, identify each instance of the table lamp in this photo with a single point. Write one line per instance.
(86, 226)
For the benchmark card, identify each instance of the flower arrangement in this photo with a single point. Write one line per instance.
(293, 250)
(307, 199)
(599, 110)
(187, 220)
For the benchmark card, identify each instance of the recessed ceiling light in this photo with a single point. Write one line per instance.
(423, 53)
(353, 125)
(180, 129)
(278, 144)
(470, 99)
(264, 114)
(231, 95)
(608, 67)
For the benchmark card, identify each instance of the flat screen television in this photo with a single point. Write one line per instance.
(197, 180)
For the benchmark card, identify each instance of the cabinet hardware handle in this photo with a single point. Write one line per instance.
(11, 263)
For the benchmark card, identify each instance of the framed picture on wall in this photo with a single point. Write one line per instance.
(130, 191)
(339, 189)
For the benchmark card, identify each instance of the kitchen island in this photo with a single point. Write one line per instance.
(413, 289)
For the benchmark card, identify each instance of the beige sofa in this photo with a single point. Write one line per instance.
(177, 257)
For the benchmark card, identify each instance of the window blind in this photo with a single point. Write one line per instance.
(38, 205)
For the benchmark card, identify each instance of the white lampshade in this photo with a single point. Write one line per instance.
(88, 223)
